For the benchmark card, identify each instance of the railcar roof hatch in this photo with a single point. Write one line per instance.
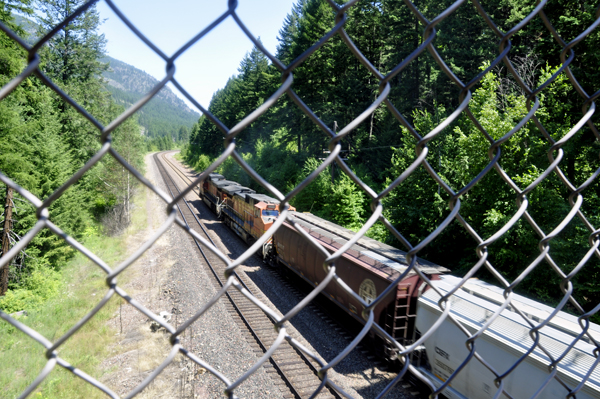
(536, 311)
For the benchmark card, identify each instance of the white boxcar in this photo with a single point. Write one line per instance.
(503, 343)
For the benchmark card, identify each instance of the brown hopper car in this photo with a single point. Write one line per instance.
(368, 267)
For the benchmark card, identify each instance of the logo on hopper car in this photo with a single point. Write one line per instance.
(367, 291)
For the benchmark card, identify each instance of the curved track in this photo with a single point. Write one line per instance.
(296, 376)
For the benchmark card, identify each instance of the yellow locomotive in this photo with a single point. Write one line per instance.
(248, 213)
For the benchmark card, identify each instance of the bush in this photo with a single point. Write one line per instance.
(42, 284)
(203, 162)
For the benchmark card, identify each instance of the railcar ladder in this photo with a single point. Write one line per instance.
(397, 325)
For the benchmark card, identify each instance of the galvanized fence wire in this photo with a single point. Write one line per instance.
(555, 154)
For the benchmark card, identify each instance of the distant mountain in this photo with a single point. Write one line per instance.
(161, 116)
(28, 26)
(164, 115)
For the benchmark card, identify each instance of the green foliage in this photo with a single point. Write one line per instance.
(233, 171)
(44, 141)
(274, 162)
(160, 143)
(197, 161)
(284, 145)
(460, 153)
(206, 137)
(240, 96)
(316, 193)
(76, 49)
(35, 155)
(40, 285)
(203, 162)
(346, 204)
(69, 294)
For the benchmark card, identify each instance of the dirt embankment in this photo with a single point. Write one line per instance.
(170, 278)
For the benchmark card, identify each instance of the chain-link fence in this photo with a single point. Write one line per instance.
(571, 364)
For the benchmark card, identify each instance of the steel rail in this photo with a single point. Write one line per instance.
(280, 371)
(329, 315)
(412, 380)
(236, 308)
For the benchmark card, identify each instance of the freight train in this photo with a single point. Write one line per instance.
(369, 267)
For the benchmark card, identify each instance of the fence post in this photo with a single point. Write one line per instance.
(6, 240)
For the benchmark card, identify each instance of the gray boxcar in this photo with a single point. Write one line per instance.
(502, 344)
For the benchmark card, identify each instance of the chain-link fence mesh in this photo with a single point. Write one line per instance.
(538, 346)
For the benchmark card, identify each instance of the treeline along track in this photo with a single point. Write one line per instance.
(296, 373)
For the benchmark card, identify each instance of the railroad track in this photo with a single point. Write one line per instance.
(293, 373)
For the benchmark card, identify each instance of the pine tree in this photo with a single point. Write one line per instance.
(184, 134)
(71, 60)
(289, 32)
(35, 156)
(75, 51)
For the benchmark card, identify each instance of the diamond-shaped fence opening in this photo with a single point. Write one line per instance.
(468, 338)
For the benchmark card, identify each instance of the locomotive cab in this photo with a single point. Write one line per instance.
(264, 211)
(265, 214)
(270, 212)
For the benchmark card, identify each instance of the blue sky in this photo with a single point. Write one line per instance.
(206, 66)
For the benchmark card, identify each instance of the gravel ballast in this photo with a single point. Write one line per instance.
(358, 374)
(172, 277)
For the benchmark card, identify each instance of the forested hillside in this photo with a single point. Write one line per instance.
(162, 116)
(44, 141)
(284, 145)
(165, 119)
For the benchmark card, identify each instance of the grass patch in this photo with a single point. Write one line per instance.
(178, 156)
(42, 284)
(81, 286)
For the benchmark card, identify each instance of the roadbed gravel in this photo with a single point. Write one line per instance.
(172, 277)
(360, 374)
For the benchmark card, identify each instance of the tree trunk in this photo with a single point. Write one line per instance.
(416, 63)
(371, 128)
(128, 198)
(571, 169)
(6, 240)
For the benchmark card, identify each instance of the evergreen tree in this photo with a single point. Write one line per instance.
(71, 60)
(209, 138)
(75, 51)
(33, 154)
(184, 134)
(289, 32)
(337, 88)
(43, 141)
